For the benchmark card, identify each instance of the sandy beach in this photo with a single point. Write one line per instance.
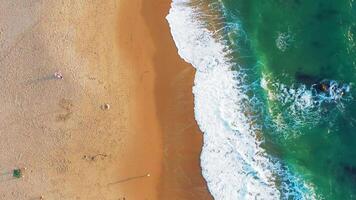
(114, 53)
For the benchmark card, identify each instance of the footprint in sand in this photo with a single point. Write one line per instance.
(67, 106)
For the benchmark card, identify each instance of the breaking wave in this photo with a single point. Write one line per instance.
(234, 164)
(300, 106)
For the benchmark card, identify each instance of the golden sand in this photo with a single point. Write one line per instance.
(119, 125)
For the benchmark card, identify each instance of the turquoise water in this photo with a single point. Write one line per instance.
(301, 60)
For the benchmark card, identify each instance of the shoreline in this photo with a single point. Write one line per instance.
(166, 76)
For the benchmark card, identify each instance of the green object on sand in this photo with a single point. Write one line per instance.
(17, 173)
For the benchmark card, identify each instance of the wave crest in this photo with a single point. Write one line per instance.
(233, 163)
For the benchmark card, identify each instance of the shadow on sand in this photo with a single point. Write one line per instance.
(41, 79)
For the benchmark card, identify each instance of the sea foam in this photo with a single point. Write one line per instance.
(233, 163)
(299, 106)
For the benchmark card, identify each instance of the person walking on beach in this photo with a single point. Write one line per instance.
(58, 75)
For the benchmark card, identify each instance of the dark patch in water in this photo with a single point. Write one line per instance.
(322, 86)
(307, 79)
(350, 170)
(316, 44)
(319, 85)
(326, 14)
(297, 2)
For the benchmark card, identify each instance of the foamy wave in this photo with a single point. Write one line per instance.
(298, 106)
(234, 165)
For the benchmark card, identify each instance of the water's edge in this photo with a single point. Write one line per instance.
(233, 163)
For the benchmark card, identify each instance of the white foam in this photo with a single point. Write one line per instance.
(304, 105)
(233, 163)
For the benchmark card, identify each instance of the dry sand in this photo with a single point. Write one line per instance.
(114, 52)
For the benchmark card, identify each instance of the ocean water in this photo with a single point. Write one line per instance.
(274, 95)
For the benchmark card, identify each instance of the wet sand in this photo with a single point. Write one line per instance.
(166, 80)
(110, 52)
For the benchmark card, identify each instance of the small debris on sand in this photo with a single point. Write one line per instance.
(58, 75)
(93, 158)
(105, 106)
(19, 172)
